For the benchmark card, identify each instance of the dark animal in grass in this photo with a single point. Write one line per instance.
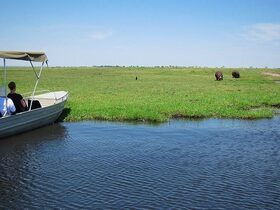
(219, 75)
(235, 74)
(136, 78)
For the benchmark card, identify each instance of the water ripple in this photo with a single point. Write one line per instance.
(182, 164)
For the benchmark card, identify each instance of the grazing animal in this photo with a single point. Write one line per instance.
(219, 75)
(235, 74)
(136, 78)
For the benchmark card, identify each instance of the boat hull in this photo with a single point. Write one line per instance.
(30, 120)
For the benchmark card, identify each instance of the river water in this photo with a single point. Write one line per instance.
(207, 164)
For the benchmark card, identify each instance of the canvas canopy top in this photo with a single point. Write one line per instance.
(26, 56)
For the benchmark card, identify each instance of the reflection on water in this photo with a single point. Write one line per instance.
(226, 164)
(19, 157)
(52, 132)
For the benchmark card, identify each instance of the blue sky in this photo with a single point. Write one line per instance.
(214, 33)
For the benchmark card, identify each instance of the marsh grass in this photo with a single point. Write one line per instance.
(158, 94)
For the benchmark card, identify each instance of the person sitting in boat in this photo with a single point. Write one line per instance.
(18, 100)
(7, 106)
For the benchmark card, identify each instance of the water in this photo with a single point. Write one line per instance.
(208, 164)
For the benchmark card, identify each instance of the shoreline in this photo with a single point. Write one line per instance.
(176, 117)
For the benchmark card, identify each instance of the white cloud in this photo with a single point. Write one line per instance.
(100, 35)
(264, 32)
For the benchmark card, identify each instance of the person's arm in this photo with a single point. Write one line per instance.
(23, 104)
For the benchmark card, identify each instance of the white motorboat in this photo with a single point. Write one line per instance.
(51, 104)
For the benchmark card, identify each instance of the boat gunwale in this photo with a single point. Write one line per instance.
(34, 110)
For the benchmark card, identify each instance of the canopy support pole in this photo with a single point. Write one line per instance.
(4, 83)
(37, 81)
(5, 75)
(34, 69)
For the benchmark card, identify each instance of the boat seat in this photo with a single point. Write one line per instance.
(35, 104)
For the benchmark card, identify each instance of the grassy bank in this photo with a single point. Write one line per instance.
(113, 93)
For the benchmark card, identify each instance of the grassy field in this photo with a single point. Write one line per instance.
(113, 93)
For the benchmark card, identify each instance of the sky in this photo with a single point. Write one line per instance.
(212, 33)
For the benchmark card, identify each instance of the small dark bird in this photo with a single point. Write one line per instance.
(136, 78)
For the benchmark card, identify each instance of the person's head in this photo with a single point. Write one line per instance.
(12, 86)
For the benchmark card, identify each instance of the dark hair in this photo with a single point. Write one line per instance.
(12, 85)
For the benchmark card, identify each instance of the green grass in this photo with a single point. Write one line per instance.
(112, 93)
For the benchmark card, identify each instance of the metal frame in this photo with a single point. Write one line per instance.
(4, 83)
(37, 81)
(35, 86)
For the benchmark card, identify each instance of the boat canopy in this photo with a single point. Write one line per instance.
(26, 56)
